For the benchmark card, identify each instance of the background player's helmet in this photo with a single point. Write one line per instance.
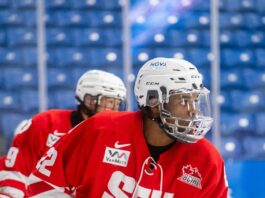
(166, 78)
(97, 83)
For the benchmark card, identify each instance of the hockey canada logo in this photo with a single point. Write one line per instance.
(116, 156)
(191, 176)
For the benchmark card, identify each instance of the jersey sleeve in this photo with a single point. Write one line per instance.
(216, 184)
(21, 158)
(63, 166)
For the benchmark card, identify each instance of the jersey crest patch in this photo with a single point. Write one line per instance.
(191, 176)
(116, 156)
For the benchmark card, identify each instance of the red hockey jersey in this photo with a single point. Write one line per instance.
(36, 135)
(107, 156)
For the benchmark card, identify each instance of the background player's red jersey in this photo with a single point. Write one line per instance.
(36, 135)
(107, 156)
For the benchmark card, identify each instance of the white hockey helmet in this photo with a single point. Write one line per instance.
(168, 79)
(100, 83)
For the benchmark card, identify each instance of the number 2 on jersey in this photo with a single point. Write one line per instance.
(46, 161)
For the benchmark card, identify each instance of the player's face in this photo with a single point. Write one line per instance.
(90, 102)
(182, 106)
(102, 103)
(108, 103)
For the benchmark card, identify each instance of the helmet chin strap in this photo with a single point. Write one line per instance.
(83, 107)
(147, 113)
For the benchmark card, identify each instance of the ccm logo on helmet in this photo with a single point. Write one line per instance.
(158, 64)
(152, 83)
(195, 76)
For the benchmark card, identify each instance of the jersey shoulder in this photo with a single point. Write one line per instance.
(113, 118)
(208, 151)
(110, 122)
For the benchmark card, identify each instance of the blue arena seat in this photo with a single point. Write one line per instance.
(257, 38)
(110, 4)
(58, 4)
(248, 5)
(104, 18)
(64, 99)
(60, 78)
(141, 55)
(199, 5)
(21, 37)
(115, 70)
(231, 78)
(152, 39)
(260, 6)
(247, 101)
(200, 56)
(260, 57)
(6, 126)
(254, 78)
(51, 57)
(30, 17)
(254, 147)
(72, 17)
(17, 78)
(51, 18)
(59, 36)
(90, 37)
(29, 100)
(243, 39)
(2, 80)
(185, 38)
(72, 57)
(112, 18)
(260, 119)
(30, 56)
(9, 101)
(237, 57)
(231, 148)
(105, 57)
(24, 4)
(252, 21)
(232, 6)
(198, 20)
(2, 37)
(77, 72)
(10, 56)
(172, 53)
(224, 100)
(89, 4)
(4, 3)
(10, 17)
(231, 20)
(227, 38)
(232, 123)
(113, 37)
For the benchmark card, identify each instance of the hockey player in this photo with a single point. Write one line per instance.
(159, 151)
(96, 91)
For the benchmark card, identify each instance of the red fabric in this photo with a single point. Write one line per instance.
(13, 184)
(39, 187)
(32, 143)
(106, 155)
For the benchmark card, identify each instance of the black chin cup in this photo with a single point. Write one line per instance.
(83, 107)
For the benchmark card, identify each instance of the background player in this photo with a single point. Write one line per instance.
(96, 91)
